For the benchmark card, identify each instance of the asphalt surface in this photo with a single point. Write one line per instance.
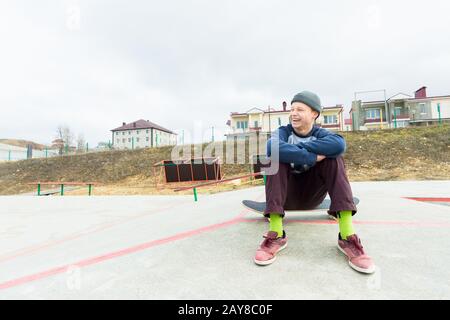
(170, 247)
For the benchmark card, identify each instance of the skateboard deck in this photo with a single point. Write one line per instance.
(260, 207)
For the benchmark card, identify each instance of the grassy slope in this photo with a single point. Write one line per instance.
(413, 153)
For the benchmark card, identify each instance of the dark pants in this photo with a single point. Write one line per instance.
(286, 190)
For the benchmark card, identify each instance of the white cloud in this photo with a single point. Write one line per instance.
(94, 64)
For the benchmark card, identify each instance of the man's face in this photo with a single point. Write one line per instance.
(302, 116)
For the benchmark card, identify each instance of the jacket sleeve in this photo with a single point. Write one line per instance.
(331, 145)
(290, 153)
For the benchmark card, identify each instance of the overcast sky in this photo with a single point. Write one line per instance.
(94, 64)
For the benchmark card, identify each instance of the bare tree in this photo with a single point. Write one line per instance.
(65, 134)
(81, 142)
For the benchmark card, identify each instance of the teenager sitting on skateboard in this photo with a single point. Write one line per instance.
(310, 165)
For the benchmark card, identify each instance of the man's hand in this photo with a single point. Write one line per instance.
(320, 157)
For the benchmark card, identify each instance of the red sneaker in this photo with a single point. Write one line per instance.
(357, 258)
(272, 244)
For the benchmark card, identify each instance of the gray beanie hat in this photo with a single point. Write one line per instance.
(310, 99)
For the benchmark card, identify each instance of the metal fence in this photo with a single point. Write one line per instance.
(13, 153)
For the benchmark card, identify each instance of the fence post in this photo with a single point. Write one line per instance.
(439, 113)
(62, 189)
(87, 146)
(90, 189)
(195, 194)
(9, 155)
(39, 189)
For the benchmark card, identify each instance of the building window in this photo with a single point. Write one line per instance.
(330, 119)
(397, 111)
(422, 108)
(242, 124)
(117, 133)
(123, 133)
(256, 124)
(373, 114)
(147, 139)
(129, 139)
(146, 131)
(118, 140)
(137, 131)
(137, 139)
(123, 140)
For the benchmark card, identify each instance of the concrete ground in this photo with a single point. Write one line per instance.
(170, 247)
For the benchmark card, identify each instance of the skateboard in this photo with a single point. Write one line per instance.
(260, 207)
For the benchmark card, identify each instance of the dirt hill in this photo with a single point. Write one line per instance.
(400, 154)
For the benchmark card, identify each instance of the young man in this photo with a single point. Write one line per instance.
(310, 165)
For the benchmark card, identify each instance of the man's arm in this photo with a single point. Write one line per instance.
(331, 145)
(290, 153)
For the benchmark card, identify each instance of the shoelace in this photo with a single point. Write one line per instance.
(268, 242)
(358, 246)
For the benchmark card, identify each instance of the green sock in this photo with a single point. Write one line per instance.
(345, 224)
(276, 223)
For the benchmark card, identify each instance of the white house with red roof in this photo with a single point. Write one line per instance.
(142, 134)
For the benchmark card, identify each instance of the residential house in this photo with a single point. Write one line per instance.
(400, 110)
(256, 122)
(142, 134)
(332, 118)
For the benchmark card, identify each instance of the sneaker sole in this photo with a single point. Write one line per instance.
(366, 271)
(267, 262)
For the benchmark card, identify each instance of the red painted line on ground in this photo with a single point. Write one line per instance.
(104, 226)
(435, 224)
(429, 199)
(116, 254)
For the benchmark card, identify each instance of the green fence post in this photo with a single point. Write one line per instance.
(9, 155)
(62, 189)
(39, 189)
(90, 189)
(439, 113)
(195, 194)
(395, 118)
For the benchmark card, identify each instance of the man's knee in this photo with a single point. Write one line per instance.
(337, 163)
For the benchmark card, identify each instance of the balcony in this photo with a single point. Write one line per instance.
(401, 116)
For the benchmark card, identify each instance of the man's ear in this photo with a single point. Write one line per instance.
(317, 115)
